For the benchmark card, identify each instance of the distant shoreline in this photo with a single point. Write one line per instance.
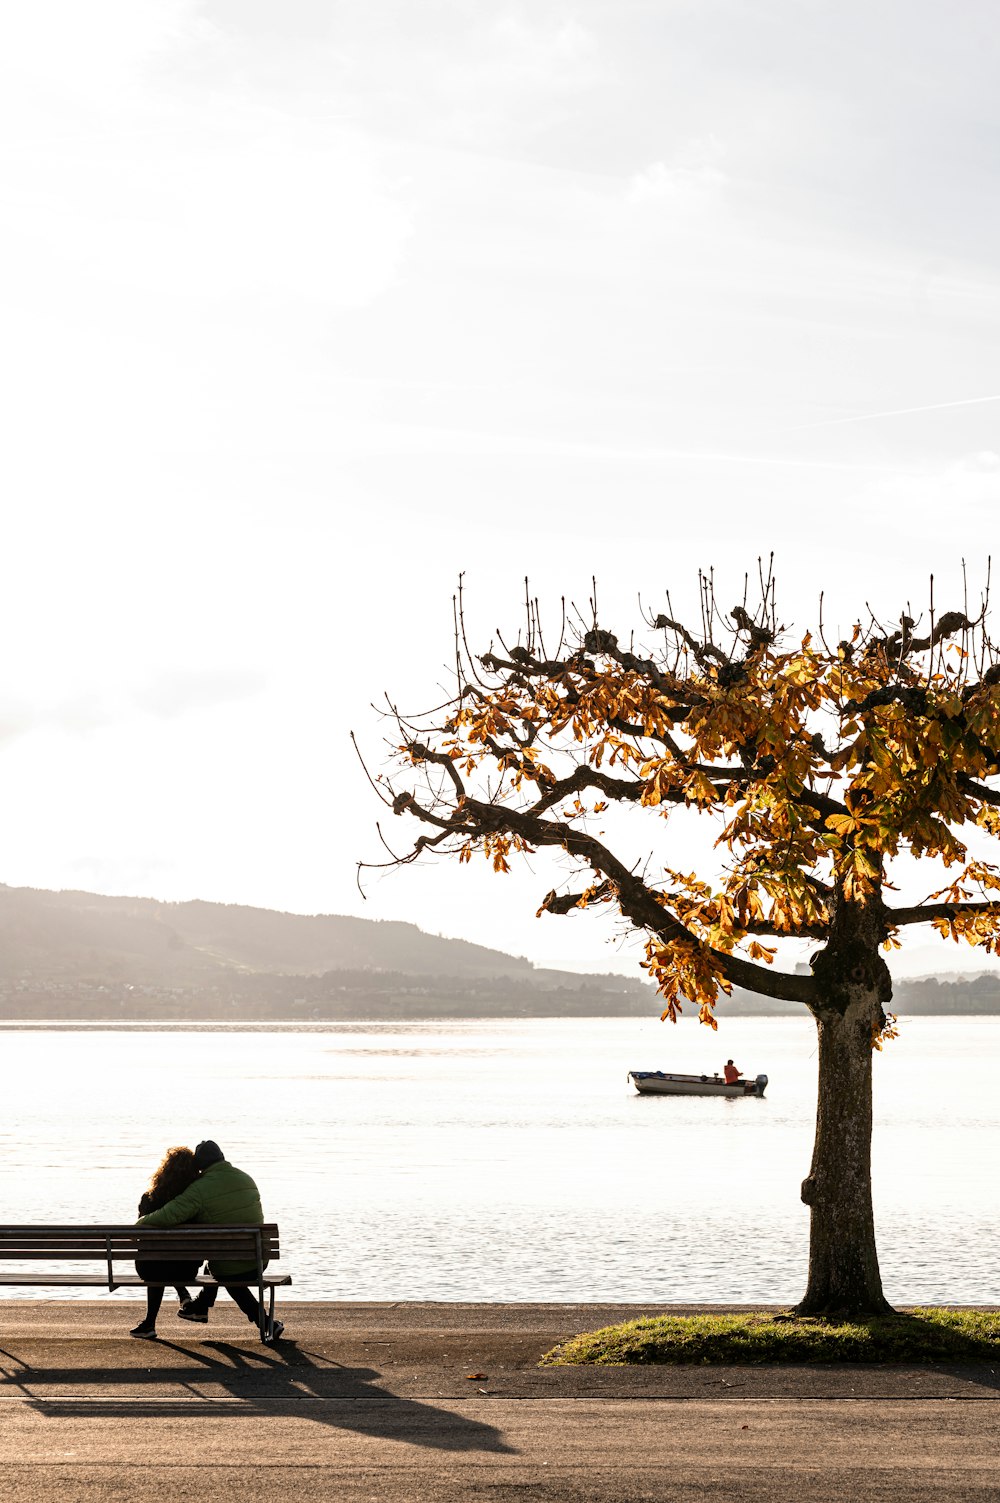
(292, 1024)
(78, 957)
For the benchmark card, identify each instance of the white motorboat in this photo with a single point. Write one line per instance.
(663, 1083)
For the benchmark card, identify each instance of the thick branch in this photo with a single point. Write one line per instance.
(521, 667)
(946, 626)
(813, 929)
(902, 643)
(702, 651)
(629, 728)
(912, 696)
(421, 753)
(926, 913)
(738, 777)
(591, 777)
(637, 901)
(821, 802)
(979, 790)
(565, 902)
(455, 824)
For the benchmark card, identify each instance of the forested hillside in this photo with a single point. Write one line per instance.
(84, 955)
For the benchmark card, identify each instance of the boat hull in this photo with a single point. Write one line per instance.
(662, 1083)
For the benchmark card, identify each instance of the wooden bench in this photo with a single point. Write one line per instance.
(127, 1244)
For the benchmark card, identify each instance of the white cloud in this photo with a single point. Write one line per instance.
(984, 462)
(681, 188)
(475, 77)
(550, 52)
(234, 205)
(165, 695)
(248, 204)
(93, 52)
(124, 173)
(935, 503)
(182, 690)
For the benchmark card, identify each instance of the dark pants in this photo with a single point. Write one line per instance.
(158, 1275)
(239, 1292)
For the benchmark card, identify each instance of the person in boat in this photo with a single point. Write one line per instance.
(732, 1074)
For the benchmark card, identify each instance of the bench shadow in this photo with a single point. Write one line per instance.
(263, 1380)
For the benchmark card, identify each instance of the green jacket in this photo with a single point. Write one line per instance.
(222, 1196)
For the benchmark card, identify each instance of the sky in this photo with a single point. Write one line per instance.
(310, 307)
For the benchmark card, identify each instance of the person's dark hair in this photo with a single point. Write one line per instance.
(208, 1153)
(177, 1171)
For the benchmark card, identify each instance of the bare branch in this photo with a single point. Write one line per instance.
(364, 767)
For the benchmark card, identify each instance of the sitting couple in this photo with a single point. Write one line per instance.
(202, 1187)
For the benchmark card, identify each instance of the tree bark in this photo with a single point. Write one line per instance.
(844, 1274)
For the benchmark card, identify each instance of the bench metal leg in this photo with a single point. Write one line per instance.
(261, 1317)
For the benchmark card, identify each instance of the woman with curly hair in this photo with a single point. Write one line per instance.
(174, 1175)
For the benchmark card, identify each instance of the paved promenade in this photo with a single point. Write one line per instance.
(377, 1402)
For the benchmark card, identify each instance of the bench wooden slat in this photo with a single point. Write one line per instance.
(202, 1240)
(131, 1229)
(187, 1234)
(223, 1252)
(127, 1243)
(131, 1281)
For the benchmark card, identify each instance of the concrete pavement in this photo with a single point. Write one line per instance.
(379, 1402)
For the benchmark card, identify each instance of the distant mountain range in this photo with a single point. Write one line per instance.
(79, 955)
(82, 955)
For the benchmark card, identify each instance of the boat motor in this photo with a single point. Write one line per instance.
(760, 1083)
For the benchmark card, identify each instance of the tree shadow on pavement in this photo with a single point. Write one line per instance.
(245, 1382)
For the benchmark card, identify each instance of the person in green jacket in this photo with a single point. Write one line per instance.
(222, 1195)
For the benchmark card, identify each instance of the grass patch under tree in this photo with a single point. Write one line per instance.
(919, 1335)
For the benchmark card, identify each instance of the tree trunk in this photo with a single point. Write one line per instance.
(843, 1261)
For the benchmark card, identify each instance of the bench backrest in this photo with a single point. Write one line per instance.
(116, 1242)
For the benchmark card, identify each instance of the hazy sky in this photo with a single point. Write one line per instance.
(309, 306)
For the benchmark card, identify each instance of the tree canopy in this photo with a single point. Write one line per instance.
(824, 763)
(823, 766)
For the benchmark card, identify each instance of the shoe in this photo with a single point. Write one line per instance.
(193, 1311)
(143, 1331)
(279, 1326)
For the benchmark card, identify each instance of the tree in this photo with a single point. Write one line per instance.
(824, 771)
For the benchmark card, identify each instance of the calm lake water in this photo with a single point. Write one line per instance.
(511, 1160)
